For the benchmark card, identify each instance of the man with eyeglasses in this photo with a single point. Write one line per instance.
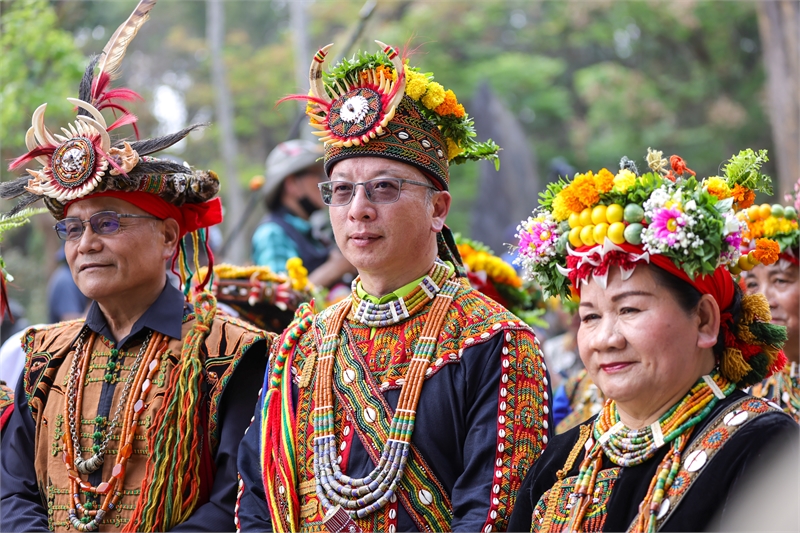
(417, 403)
(130, 419)
(291, 197)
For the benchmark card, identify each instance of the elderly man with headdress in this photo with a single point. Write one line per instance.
(417, 403)
(669, 339)
(776, 226)
(131, 418)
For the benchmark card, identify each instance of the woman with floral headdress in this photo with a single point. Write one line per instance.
(669, 339)
(779, 284)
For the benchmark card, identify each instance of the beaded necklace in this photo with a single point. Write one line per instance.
(362, 496)
(389, 313)
(628, 447)
(786, 389)
(139, 379)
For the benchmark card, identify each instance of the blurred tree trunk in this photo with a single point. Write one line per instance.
(506, 196)
(223, 110)
(779, 27)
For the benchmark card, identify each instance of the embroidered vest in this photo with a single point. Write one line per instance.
(50, 353)
(369, 365)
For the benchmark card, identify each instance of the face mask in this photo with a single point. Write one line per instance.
(308, 206)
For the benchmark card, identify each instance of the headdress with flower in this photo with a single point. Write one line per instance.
(772, 230)
(377, 105)
(84, 161)
(666, 217)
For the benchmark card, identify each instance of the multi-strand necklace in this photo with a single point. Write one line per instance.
(630, 447)
(129, 408)
(362, 496)
(389, 313)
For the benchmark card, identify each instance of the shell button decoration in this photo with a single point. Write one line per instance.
(353, 112)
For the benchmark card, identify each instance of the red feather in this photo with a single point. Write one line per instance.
(101, 84)
(307, 97)
(124, 120)
(47, 151)
(121, 94)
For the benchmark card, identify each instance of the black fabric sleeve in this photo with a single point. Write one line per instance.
(240, 394)
(252, 511)
(20, 500)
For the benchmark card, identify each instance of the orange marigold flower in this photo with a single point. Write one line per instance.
(449, 106)
(565, 203)
(604, 181)
(459, 112)
(584, 189)
(767, 251)
(744, 197)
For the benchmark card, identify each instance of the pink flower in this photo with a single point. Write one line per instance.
(539, 238)
(666, 223)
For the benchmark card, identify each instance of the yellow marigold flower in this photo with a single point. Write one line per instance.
(770, 226)
(584, 189)
(449, 106)
(604, 181)
(416, 84)
(434, 96)
(453, 149)
(624, 180)
(718, 187)
(298, 274)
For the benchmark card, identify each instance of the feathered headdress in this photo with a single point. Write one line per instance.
(377, 105)
(84, 159)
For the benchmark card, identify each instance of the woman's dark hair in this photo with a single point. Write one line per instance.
(688, 298)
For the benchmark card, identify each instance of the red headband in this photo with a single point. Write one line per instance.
(190, 217)
(719, 285)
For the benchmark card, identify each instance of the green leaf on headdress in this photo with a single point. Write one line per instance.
(745, 169)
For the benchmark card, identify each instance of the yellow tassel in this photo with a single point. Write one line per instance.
(755, 307)
(771, 352)
(743, 334)
(733, 366)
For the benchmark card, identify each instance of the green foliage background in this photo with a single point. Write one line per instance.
(589, 81)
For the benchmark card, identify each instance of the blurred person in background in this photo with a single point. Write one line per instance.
(291, 196)
(64, 300)
(780, 283)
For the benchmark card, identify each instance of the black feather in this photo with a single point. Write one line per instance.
(85, 92)
(151, 146)
(14, 188)
(146, 168)
(24, 201)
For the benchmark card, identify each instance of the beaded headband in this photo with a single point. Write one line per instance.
(376, 105)
(84, 159)
(666, 217)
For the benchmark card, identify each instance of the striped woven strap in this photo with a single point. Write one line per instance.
(422, 495)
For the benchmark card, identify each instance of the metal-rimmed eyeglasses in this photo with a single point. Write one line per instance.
(379, 190)
(103, 223)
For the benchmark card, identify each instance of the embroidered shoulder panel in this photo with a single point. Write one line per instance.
(45, 350)
(224, 347)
